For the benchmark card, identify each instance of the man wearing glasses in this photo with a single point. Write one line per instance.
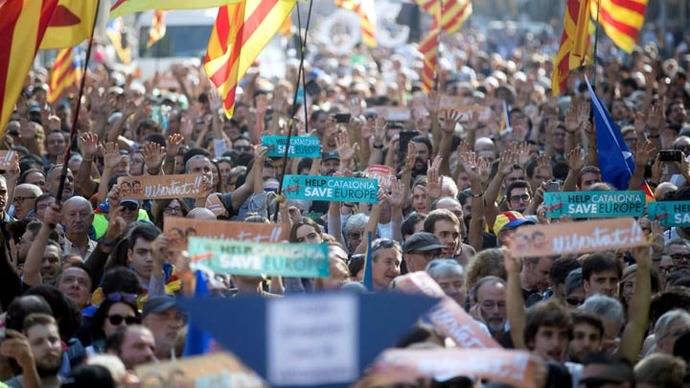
(25, 196)
(679, 251)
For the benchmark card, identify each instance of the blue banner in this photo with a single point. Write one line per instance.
(670, 213)
(300, 146)
(594, 204)
(331, 188)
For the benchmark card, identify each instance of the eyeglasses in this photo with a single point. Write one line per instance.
(242, 148)
(21, 199)
(122, 296)
(680, 257)
(116, 320)
(523, 197)
(574, 301)
(491, 304)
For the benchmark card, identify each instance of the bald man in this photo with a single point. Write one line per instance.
(77, 217)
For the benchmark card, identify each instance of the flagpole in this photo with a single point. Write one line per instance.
(291, 121)
(73, 130)
(596, 43)
(303, 73)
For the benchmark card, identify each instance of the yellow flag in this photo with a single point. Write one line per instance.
(71, 24)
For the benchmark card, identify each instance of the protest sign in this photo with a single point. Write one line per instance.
(514, 367)
(449, 318)
(161, 186)
(577, 237)
(383, 174)
(670, 213)
(300, 146)
(7, 159)
(180, 228)
(255, 259)
(214, 370)
(331, 188)
(319, 331)
(594, 204)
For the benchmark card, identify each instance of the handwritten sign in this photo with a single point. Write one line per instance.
(214, 370)
(313, 341)
(594, 204)
(300, 146)
(331, 188)
(514, 367)
(449, 318)
(670, 213)
(383, 174)
(577, 237)
(161, 186)
(7, 158)
(255, 259)
(181, 228)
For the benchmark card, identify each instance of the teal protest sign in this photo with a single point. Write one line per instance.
(594, 204)
(331, 188)
(300, 146)
(670, 213)
(254, 259)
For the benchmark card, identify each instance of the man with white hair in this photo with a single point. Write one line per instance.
(24, 199)
(77, 217)
(668, 328)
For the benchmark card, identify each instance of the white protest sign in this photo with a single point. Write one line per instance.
(313, 341)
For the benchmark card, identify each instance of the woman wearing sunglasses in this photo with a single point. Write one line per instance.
(116, 311)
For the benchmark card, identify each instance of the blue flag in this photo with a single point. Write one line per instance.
(198, 340)
(615, 159)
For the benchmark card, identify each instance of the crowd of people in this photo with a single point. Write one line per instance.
(88, 283)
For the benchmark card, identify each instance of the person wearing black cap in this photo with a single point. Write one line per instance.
(330, 162)
(420, 249)
(165, 321)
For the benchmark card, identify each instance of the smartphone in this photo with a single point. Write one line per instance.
(342, 118)
(553, 185)
(670, 156)
(405, 137)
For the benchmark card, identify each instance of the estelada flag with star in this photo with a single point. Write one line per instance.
(71, 23)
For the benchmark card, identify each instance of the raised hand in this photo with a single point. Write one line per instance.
(643, 151)
(153, 155)
(88, 144)
(640, 122)
(111, 155)
(434, 179)
(173, 144)
(575, 159)
(470, 163)
(507, 160)
(379, 130)
(345, 149)
(410, 157)
(451, 118)
(523, 153)
(656, 117)
(214, 101)
(116, 224)
(396, 198)
(186, 126)
(577, 114)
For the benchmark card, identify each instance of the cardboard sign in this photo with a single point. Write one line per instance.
(514, 367)
(331, 188)
(319, 331)
(383, 174)
(181, 228)
(577, 237)
(214, 370)
(255, 259)
(394, 113)
(7, 158)
(309, 339)
(300, 146)
(594, 204)
(670, 213)
(161, 186)
(449, 318)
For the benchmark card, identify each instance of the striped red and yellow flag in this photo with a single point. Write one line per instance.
(157, 30)
(428, 48)
(575, 44)
(453, 14)
(65, 74)
(71, 23)
(622, 20)
(23, 24)
(126, 7)
(366, 12)
(241, 31)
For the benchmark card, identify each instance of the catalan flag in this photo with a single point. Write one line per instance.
(157, 30)
(71, 23)
(366, 11)
(23, 24)
(622, 20)
(125, 7)
(575, 43)
(453, 14)
(449, 17)
(241, 31)
(66, 72)
(115, 30)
